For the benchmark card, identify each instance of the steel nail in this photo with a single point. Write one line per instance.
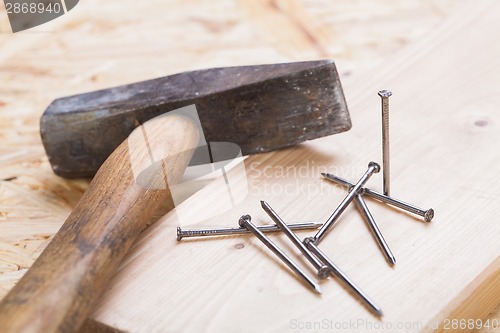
(375, 229)
(372, 168)
(245, 221)
(384, 95)
(341, 275)
(183, 233)
(323, 270)
(426, 214)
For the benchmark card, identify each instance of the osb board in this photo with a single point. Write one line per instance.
(102, 44)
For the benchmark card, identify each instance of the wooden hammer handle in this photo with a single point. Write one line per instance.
(129, 191)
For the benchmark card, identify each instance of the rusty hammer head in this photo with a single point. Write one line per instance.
(260, 108)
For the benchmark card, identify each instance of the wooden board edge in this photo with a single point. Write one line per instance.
(476, 302)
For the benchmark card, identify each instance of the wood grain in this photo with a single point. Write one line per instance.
(99, 45)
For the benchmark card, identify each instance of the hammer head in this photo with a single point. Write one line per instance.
(259, 108)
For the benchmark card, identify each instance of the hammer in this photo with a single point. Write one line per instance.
(260, 108)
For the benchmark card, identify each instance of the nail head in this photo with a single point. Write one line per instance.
(243, 219)
(429, 215)
(374, 165)
(385, 93)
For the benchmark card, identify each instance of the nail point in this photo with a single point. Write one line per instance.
(392, 261)
(317, 289)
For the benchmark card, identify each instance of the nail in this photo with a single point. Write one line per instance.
(245, 221)
(241, 231)
(341, 275)
(375, 230)
(428, 214)
(323, 270)
(386, 168)
(372, 168)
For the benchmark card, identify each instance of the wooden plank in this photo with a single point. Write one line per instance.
(443, 124)
(96, 46)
